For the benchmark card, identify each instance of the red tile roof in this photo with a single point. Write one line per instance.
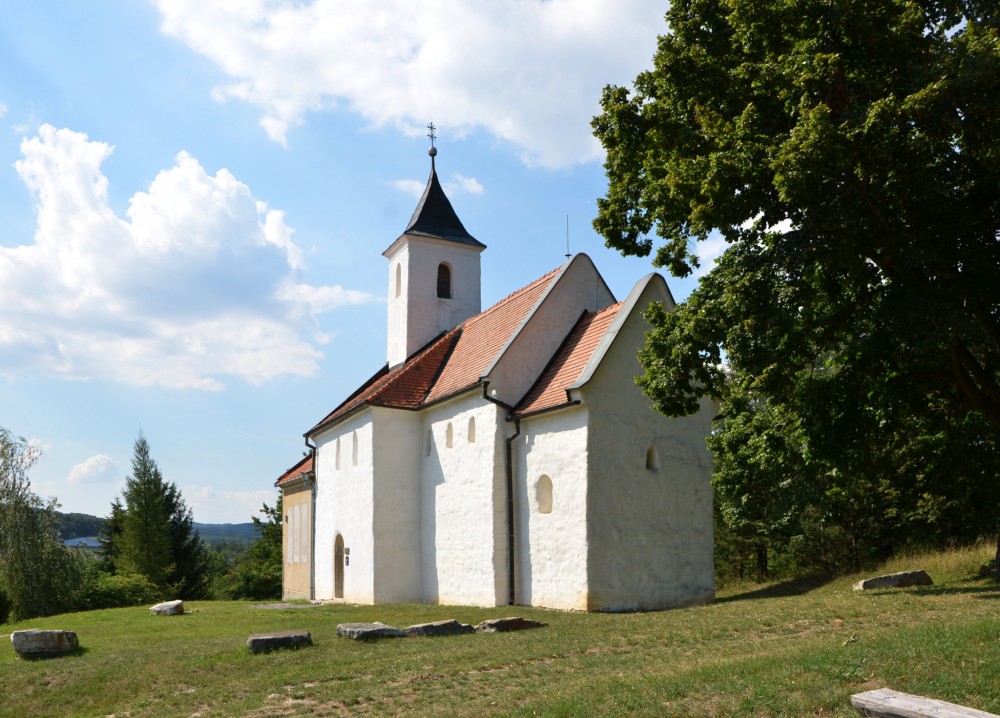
(484, 335)
(450, 364)
(405, 387)
(303, 467)
(568, 363)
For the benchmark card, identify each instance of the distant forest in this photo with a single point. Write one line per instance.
(85, 525)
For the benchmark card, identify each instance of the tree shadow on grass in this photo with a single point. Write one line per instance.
(792, 587)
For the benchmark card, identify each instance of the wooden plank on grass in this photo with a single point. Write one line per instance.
(887, 703)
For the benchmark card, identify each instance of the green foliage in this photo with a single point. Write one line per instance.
(256, 573)
(848, 154)
(105, 590)
(79, 525)
(37, 573)
(150, 532)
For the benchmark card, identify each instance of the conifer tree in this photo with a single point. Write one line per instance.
(151, 530)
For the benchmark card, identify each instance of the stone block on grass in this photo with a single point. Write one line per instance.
(503, 625)
(368, 631)
(903, 579)
(168, 608)
(267, 642)
(449, 627)
(43, 643)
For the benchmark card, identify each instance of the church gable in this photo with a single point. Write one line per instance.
(551, 391)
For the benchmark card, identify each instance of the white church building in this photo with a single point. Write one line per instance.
(503, 456)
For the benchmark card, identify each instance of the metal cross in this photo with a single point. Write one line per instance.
(430, 132)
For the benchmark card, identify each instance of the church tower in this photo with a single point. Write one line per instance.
(434, 274)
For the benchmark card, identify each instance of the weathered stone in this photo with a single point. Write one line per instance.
(40, 643)
(511, 623)
(449, 627)
(264, 642)
(368, 631)
(903, 579)
(887, 703)
(168, 608)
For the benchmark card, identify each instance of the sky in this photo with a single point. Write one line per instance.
(195, 196)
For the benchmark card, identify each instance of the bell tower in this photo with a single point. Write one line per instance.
(434, 272)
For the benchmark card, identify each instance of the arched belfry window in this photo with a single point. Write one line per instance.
(444, 281)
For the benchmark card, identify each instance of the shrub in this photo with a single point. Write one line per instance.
(105, 590)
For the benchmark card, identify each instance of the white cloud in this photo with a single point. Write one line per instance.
(211, 505)
(189, 288)
(410, 187)
(527, 71)
(709, 251)
(459, 183)
(456, 185)
(3, 110)
(99, 468)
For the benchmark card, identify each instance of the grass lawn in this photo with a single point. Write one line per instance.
(798, 649)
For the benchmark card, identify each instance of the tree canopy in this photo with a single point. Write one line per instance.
(849, 155)
(37, 573)
(150, 531)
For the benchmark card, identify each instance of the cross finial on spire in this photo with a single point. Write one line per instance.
(433, 150)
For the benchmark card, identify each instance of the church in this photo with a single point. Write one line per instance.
(503, 456)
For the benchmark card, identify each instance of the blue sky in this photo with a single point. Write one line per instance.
(195, 196)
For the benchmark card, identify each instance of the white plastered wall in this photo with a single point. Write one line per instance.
(650, 530)
(345, 505)
(416, 314)
(579, 287)
(463, 539)
(397, 506)
(551, 548)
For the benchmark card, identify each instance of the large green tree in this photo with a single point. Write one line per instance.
(38, 575)
(151, 531)
(849, 155)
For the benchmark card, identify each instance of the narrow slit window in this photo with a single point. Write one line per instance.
(652, 459)
(449, 436)
(354, 448)
(336, 461)
(444, 282)
(399, 279)
(429, 443)
(543, 494)
(472, 430)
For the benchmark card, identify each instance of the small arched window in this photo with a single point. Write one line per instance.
(444, 281)
(472, 430)
(354, 448)
(449, 436)
(399, 279)
(336, 462)
(543, 494)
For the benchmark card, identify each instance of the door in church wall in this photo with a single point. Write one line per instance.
(338, 567)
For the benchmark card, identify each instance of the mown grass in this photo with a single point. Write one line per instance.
(793, 649)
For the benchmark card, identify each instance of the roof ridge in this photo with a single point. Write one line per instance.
(522, 290)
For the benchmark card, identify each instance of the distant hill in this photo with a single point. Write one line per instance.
(215, 533)
(79, 525)
(76, 526)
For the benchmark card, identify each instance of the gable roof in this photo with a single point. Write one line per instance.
(435, 217)
(552, 388)
(450, 364)
(301, 470)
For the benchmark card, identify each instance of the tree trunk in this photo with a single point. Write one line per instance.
(761, 551)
